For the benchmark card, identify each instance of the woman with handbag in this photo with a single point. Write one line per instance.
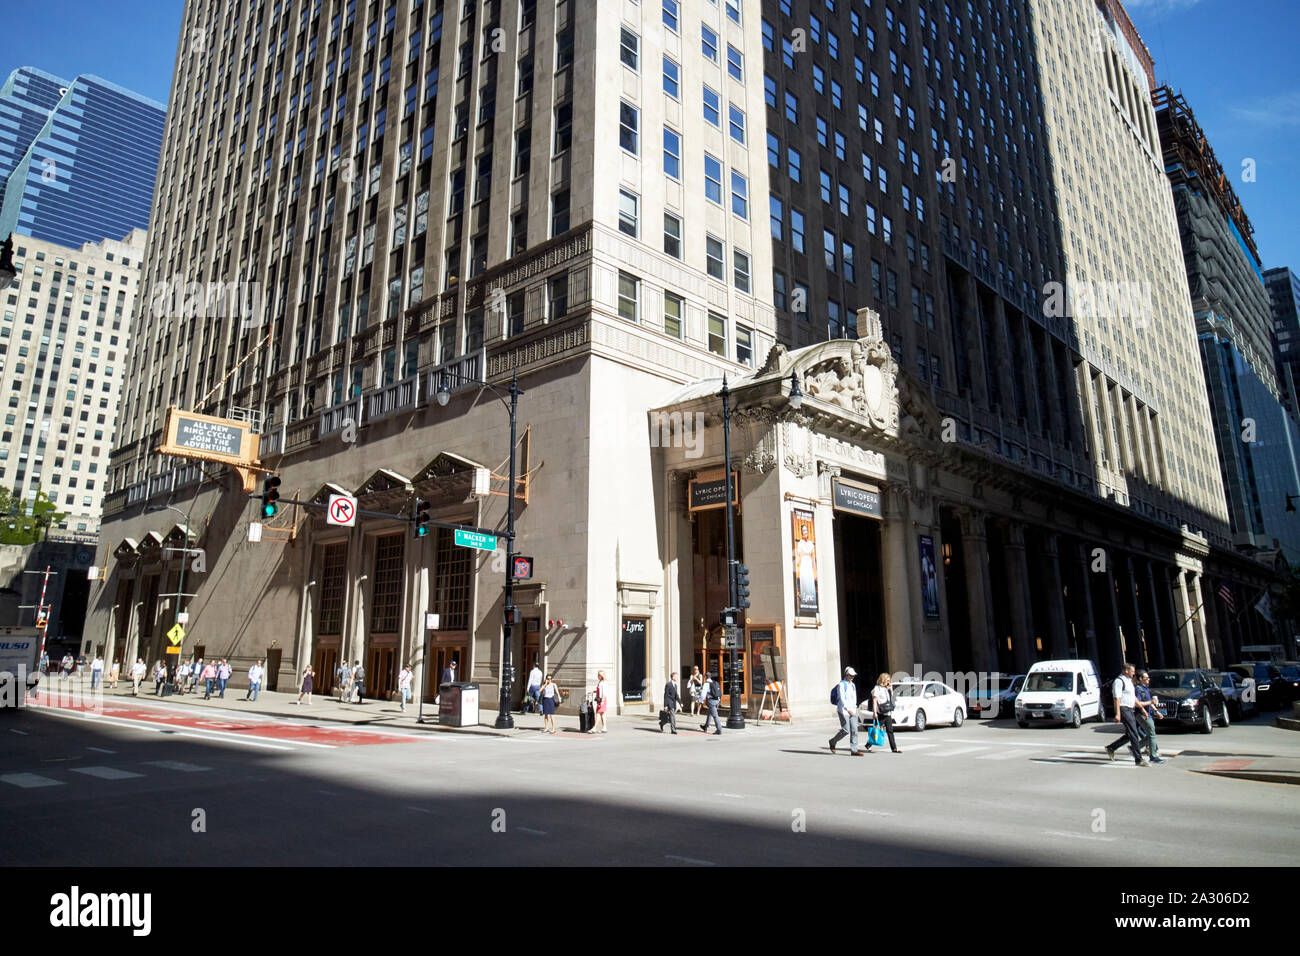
(696, 689)
(882, 712)
(602, 704)
(550, 695)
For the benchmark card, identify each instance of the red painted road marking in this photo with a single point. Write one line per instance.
(276, 731)
(1230, 765)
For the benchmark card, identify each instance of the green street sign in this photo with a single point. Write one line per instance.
(472, 539)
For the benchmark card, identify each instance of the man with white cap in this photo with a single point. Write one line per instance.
(845, 698)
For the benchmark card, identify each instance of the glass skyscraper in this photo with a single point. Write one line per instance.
(77, 159)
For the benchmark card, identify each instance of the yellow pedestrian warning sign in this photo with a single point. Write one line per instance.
(176, 634)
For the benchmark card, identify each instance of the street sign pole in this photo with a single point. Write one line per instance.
(504, 718)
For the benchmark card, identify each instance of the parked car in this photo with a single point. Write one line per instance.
(995, 698)
(1066, 692)
(1270, 690)
(1190, 697)
(1290, 674)
(922, 703)
(1240, 693)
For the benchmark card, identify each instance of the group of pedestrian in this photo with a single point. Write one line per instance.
(352, 683)
(845, 698)
(1138, 711)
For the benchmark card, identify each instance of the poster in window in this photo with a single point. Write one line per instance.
(804, 535)
(929, 579)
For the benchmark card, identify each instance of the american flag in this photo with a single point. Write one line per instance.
(1225, 595)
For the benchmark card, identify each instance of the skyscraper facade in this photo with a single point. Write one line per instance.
(77, 158)
(1284, 299)
(962, 431)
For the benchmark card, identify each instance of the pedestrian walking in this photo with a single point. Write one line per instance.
(712, 694)
(113, 673)
(224, 670)
(254, 681)
(448, 674)
(196, 671)
(534, 685)
(672, 700)
(359, 681)
(209, 678)
(345, 682)
(96, 671)
(404, 685)
(1148, 712)
(307, 675)
(183, 677)
(549, 693)
(844, 696)
(159, 678)
(602, 704)
(138, 671)
(882, 708)
(1125, 695)
(65, 667)
(696, 688)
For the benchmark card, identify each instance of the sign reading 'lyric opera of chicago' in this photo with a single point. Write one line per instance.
(804, 556)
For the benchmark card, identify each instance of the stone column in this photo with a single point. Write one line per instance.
(1020, 600)
(1115, 642)
(1139, 637)
(1157, 647)
(1057, 636)
(898, 584)
(979, 591)
(1186, 647)
(352, 640)
(1089, 616)
(1199, 619)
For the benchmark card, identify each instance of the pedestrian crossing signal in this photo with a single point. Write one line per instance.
(270, 495)
(421, 518)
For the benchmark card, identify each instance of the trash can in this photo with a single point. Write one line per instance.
(458, 704)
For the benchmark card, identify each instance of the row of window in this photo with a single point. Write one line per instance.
(629, 308)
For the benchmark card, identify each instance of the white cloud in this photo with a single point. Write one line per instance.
(1281, 109)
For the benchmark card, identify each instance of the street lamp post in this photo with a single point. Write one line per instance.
(180, 582)
(735, 719)
(504, 721)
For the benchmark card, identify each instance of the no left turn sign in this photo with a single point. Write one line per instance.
(342, 511)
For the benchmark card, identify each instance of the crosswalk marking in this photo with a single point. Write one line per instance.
(1003, 755)
(29, 780)
(958, 752)
(177, 765)
(106, 773)
(920, 746)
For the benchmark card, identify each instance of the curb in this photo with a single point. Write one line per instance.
(1260, 776)
(1287, 723)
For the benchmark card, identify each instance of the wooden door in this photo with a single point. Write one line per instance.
(271, 679)
(380, 675)
(325, 662)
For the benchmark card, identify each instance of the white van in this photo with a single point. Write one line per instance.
(1066, 692)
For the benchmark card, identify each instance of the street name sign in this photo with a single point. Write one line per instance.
(472, 539)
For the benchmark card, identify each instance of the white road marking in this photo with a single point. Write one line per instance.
(106, 773)
(689, 859)
(920, 746)
(531, 830)
(21, 733)
(418, 809)
(101, 750)
(958, 752)
(1001, 743)
(177, 765)
(29, 780)
(209, 735)
(874, 813)
(1078, 836)
(1003, 755)
(736, 796)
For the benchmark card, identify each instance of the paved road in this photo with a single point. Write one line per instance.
(131, 786)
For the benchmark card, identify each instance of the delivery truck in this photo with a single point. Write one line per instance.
(20, 656)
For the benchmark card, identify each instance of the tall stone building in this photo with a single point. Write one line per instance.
(408, 196)
(1284, 300)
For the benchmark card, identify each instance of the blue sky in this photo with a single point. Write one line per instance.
(1235, 60)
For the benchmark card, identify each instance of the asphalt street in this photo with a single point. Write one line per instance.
(165, 785)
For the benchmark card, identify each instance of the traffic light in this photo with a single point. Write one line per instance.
(421, 518)
(270, 495)
(742, 586)
(514, 615)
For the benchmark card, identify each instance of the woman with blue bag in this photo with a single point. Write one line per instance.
(882, 714)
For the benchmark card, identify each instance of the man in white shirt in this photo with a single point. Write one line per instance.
(137, 674)
(846, 709)
(96, 671)
(1125, 706)
(254, 681)
(534, 686)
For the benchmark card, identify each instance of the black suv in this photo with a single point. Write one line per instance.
(1190, 697)
(1271, 689)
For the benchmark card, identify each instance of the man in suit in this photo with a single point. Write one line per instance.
(672, 700)
(449, 674)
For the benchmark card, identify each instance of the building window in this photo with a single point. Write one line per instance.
(515, 314)
(628, 289)
(846, 256)
(629, 49)
(744, 345)
(672, 153)
(794, 164)
(713, 251)
(733, 9)
(629, 122)
(776, 216)
(717, 334)
(557, 296)
(796, 230)
(739, 195)
(672, 14)
(563, 127)
(672, 77)
(709, 43)
(672, 235)
(741, 271)
(737, 124)
(712, 179)
(673, 315)
(735, 63)
(628, 212)
(828, 243)
(712, 108)
(560, 212)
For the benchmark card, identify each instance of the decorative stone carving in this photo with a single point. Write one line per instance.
(759, 461)
(775, 356)
(801, 466)
(863, 382)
